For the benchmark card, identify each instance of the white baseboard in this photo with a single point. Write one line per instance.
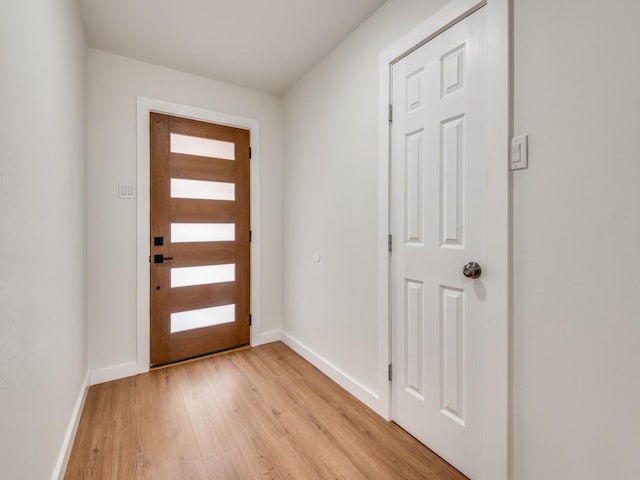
(130, 369)
(362, 393)
(267, 337)
(117, 372)
(70, 435)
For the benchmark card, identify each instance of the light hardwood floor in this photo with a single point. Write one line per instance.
(263, 413)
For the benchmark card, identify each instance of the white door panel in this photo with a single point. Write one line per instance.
(438, 216)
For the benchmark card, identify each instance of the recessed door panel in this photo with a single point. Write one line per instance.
(414, 186)
(413, 338)
(452, 343)
(451, 183)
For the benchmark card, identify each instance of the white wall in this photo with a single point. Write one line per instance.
(576, 223)
(42, 232)
(114, 84)
(330, 197)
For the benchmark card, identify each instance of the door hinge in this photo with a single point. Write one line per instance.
(390, 372)
(250, 320)
(250, 153)
(390, 243)
(390, 113)
(250, 236)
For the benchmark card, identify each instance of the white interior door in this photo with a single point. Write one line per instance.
(438, 216)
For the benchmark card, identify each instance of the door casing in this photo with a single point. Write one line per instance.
(497, 413)
(146, 106)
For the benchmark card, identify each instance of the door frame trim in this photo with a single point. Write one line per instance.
(497, 400)
(144, 107)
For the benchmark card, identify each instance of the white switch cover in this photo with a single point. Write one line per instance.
(520, 152)
(126, 191)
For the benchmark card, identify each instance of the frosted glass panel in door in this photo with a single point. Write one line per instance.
(202, 190)
(203, 147)
(188, 276)
(203, 232)
(205, 317)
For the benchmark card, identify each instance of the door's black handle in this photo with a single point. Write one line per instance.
(160, 258)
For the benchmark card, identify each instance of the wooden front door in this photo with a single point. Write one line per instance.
(199, 241)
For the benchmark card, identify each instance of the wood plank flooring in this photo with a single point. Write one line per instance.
(263, 413)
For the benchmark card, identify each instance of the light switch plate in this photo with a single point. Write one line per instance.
(520, 152)
(126, 191)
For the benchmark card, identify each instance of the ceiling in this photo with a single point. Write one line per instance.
(266, 45)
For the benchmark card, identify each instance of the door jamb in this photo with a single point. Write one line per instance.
(497, 400)
(144, 107)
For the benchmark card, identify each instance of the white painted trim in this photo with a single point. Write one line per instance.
(268, 337)
(362, 393)
(496, 455)
(115, 372)
(70, 435)
(498, 413)
(145, 106)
